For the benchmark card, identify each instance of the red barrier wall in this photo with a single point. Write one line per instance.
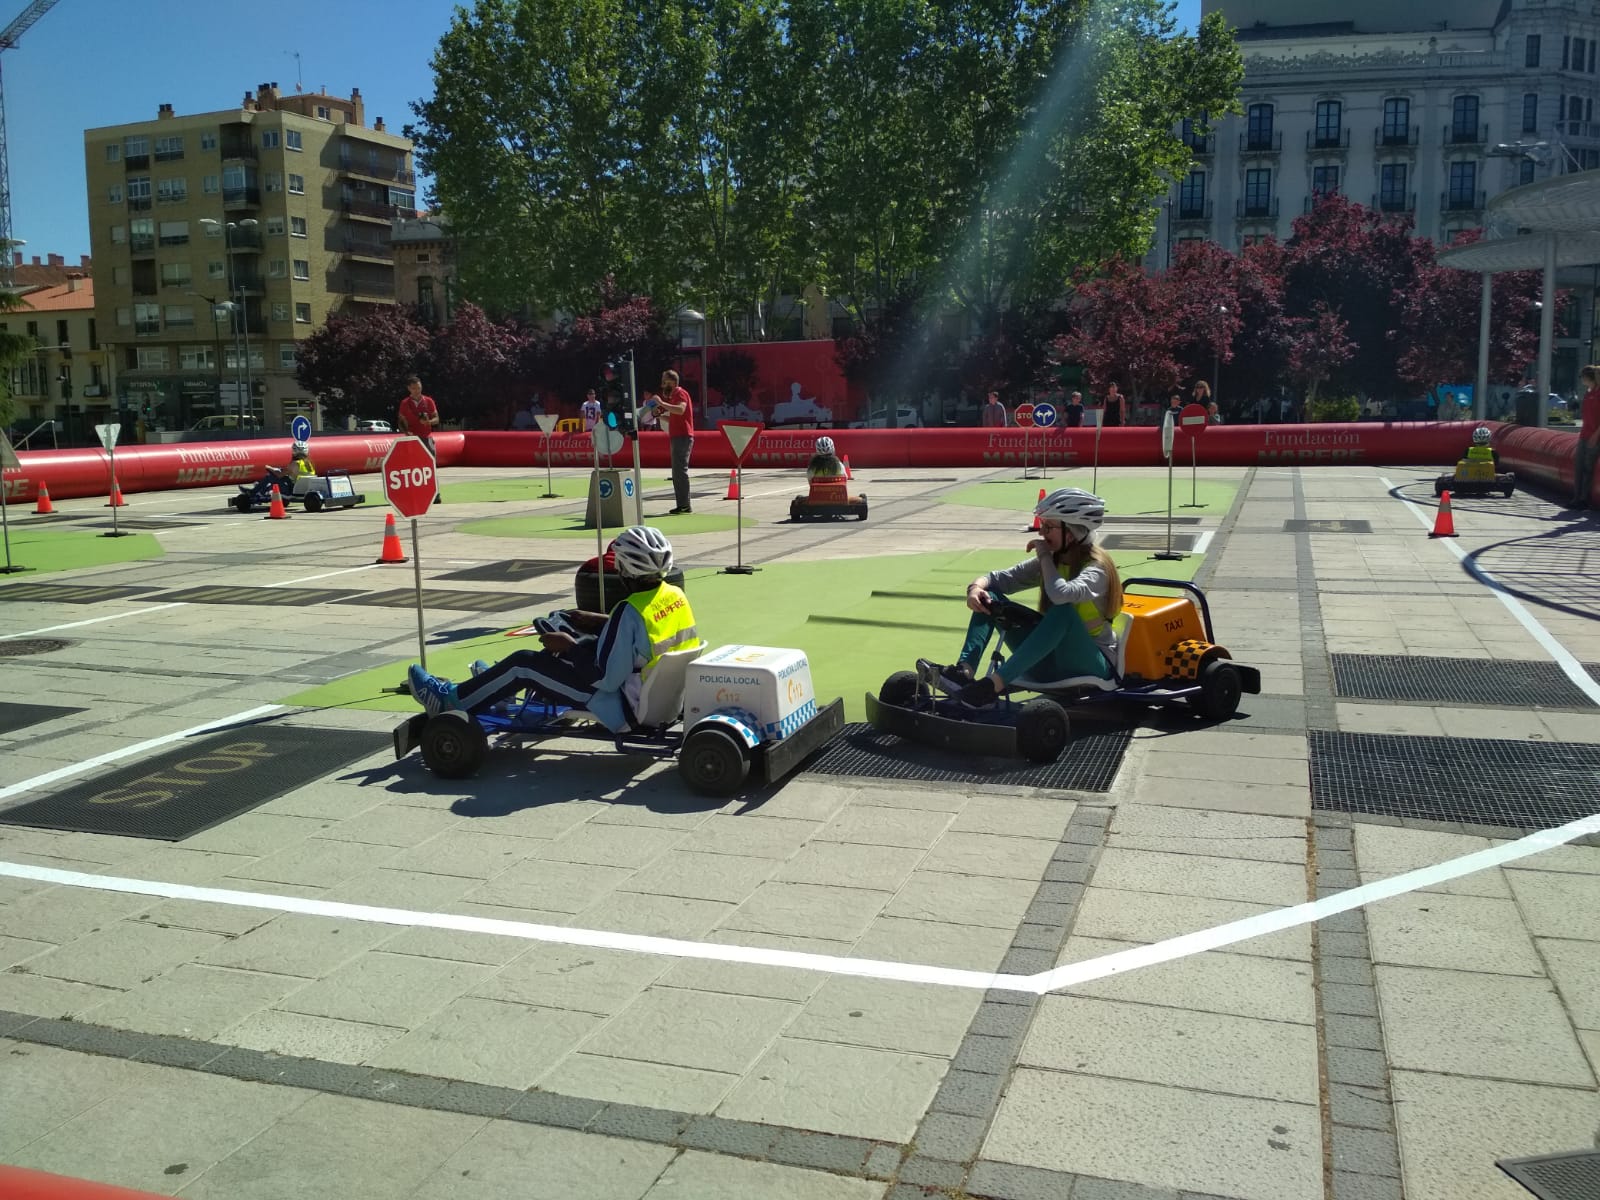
(75, 473)
(1546, 456)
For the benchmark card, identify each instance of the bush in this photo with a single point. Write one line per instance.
(1336, 408)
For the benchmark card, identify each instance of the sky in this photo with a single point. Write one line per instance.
(89, 63)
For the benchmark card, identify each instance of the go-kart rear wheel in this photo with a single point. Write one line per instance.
(313, 502)
(861, 513)
(1439, 486)
(453, 745)
(899, 690)
(240, 503)
(713, 762)
(1220, 689)
(1042, 729)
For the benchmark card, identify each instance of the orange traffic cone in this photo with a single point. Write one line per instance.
(276, 511)
(733, 486)
(1444, 525)
(392, 552)
(116, 500)
(1035, 527)
(44, 505)
(847, 473)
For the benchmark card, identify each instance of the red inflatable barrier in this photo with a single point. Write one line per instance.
(77, 473)
(18, 1184)
(1547, 456)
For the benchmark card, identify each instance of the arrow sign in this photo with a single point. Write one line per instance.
(300, 429)
(1044, 415)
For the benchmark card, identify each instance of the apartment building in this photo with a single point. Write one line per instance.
(222, 239)
(67, 379)
(1411, 108)
(425, 265)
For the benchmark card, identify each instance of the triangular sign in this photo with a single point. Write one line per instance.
(547, 421)
(740, 435)
(108, 434)
(8, 457)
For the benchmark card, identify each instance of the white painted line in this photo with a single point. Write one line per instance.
(1562, 656)
(38, 781)
(92, 621)
(1303, 914)
(324, 575)
(1202, 541)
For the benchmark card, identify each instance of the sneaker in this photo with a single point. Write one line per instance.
(951, 679)
(478, 667)
(434, 694)
(979, 694)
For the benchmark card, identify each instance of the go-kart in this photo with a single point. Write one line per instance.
(727, 714)
(1476, 478)
(331, 489)
(1165, 655)
(828, 498)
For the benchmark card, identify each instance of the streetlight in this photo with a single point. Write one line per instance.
(218, 309)
(243, 308)
(1216, 352)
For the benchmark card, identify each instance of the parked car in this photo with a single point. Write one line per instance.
(228, 422)
(374, 427)
(799, 410)
(905, 417)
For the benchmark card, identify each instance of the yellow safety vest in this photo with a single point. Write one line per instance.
(1480, 454)
(668, 621)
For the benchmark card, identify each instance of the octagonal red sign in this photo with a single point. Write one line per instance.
(410, 479)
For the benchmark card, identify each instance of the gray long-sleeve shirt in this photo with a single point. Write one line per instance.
(1090, 583)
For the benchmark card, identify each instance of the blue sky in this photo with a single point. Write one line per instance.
(88, 63)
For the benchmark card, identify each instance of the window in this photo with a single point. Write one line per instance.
(269, 139)
(277, 268)
(210, 184)
(1530, 113)
(1257, 192)
(174, 233)
(302, 313)
(323, 114)
(1566, 51)
(402, 198)
(1396, 121)
(302, 268)
(297, 184)
(234, 177)
(1525, 171)
(1392, 187)
(1530, 51)
(172, 191)
(1192, 137)
(274, 226)
(1463, 185)
(124, 315)
(137, 146)
(287, 360)
(271, 181)
(297, 227)
(142, 235)
(139, 191)
(424, 256)
(119, 235)
(152, 358)
(114, 194)
(1464, 119)
(280, 311)
(113, 152)
(121, 276)
(179, 315)
(175, 274)
(1330, 116)
(1591, 55)
(208, 141)
(232, 358)
(1324, 181)
(1579, 53)
(215, 269)
(1258, 131)
(1192, 197)
(197, 358)
(291, 139)
(169, 149)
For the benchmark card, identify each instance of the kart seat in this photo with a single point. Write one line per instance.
(661, 696)
(1120, 625)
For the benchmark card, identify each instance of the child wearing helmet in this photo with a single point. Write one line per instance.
(1480, 450)
(603, 666)
(284, 477)
(824, 462)
(1080, 593)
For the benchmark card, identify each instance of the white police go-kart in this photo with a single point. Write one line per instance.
(727, 714)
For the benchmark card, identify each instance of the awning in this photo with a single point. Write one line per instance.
(1524, 253)
(1566, 203)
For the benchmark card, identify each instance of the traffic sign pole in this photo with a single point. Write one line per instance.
(8, 462)
(410, 484)
(1168, 431)
(547, 423)
(599, 521)
(741, 436)
(108, 438)
(416, 578)
(1044, 419)
(1192, 423)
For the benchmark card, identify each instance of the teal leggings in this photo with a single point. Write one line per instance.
(1058, 644)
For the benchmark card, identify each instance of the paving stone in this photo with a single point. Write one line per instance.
(1364, 1107)
(1361, 1033)
(1333, 944)
(123, 955)
(1460, 933)
(963, 899)
(1150, 917)
(1115, 1189)
(1352, 971)
(725, 1136)
(42, 1087)
(638, 1123)
(950, 1137)
(549, 1108)
(188, 1054)
(1350, 1186)
(580, 978)
(1350, 921)
(1351, 999)
(396, 1087)
(322, 1038)
(476, 1099)
(970, 1093)
(1364, 1068)
(989, 854)
(1068, 872)
(883, 1161)
(628, 1081)
(1001, 1020)
(1009, 1181)
(498, 1160)
(807, 910)
(667, 1025)
(1575, 967)
(1067, 894)
(292, 944)
(1076, 852)
(887, 1014)
(1365, 1151)
(488, 1041)
(820, 1151)
(1383, 852)
(1026, 962)
(932, 1172)
(843, 864)
(877, 826)
(696, 1176)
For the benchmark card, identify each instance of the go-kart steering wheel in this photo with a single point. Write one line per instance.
(1008, 614)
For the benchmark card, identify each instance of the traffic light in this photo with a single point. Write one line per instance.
(621, 418)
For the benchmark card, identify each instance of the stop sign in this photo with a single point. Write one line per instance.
(1024, 415)
(410, 481)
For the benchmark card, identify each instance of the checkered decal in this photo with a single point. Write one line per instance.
(1183, 660)
(778, 730)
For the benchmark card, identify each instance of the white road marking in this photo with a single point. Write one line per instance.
(7, 637)
(1065, 976)
(324, 575)
(1562, 656)
(38, 781)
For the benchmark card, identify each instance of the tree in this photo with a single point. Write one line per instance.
(478, 368)
(575, 355)
(1124, 332)
(1439, 326)
(358, 364)
(1317, 348)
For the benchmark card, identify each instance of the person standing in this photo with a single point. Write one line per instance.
(1114, 408)
(590, 411)
(1213, 417)
(1074, 410)
(680, 434)
(1588, 438)
(419, 415)
(994, 413)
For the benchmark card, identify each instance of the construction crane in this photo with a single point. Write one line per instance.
(8, 39)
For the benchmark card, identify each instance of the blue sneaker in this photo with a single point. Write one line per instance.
(434, 694)
(478, 667)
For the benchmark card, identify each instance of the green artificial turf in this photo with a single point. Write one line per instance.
(1124, 497)
(43, 549)
(570, 525)
(858, 619)
(493, 491)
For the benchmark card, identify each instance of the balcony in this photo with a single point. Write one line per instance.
(1259, 210)
(1578, 129)
(366, 248)
(385, 172)
(1261, 143)
(1201, 145)
(1465, 135)
(1201, 211)
(247, 241)
(139, 204)
(135, 162)
(144, 243)
(1328, 140)
(241, 197)
(361, 287)
(374, 211)
(1462, 201)
(1392, 203)
(169, 155)
(239, 150)
(146, 328)
(249, 282)
(1396, 137)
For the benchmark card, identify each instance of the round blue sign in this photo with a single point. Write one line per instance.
(605, 489)
(1044, 415)
(300, 429)
(627, 488)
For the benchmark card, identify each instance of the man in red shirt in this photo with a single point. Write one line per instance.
(680, 433)
(418, 413)
(1588, 438)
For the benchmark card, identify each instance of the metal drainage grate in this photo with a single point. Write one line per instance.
(1331, 525)
(1500, 683)
(1088, 764)
(510, 571)
(67, 593)
(443, 598)
(1574, 1175)
(274, 597)
(19, 716)
(20, 647)
(1481, 781)
(1150, 541)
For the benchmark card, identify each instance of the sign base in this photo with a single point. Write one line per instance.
(117, 533)
(1169, 555)
(738, 570)
(14, 569)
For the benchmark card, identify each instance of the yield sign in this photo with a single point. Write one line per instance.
(410, 481)
(740, 435)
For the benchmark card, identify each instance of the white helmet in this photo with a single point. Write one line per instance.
(1073, 506)
(300, 450)
(825, 446)
(1480, 436)
(643, 553)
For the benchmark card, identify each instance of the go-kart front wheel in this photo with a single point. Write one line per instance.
(313, 502)
(240, 503)
(713, 762)
(1220, 689)
(1042, 729)
(453, 745)
(899, 690)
